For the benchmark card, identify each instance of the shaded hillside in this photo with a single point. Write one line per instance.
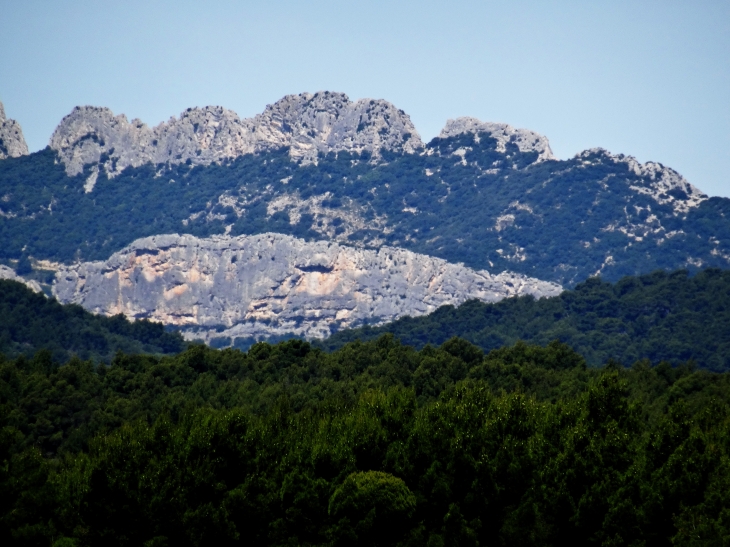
(462, 200)
(660, 316)
(30, 321)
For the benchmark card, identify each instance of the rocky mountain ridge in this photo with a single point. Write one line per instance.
(487, 195)
(307, 123)
(526, 141)
(12, 141)
(273, 284)
(95, 139)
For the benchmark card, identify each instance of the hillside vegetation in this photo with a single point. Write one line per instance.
(30, 321)
(373, 444)
(660, 316)
(451, 202)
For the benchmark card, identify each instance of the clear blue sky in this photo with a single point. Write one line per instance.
(646, 78)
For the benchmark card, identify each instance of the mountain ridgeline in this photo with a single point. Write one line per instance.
(485, 195)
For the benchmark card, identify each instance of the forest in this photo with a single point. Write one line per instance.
(375, 443)
(662, 316)
(30, 322)
(601, 416)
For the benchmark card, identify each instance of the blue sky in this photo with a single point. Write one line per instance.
(646, 78)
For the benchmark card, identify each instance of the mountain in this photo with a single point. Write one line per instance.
(225, 288)
(660, 316)
(307, 124)
(319, 167)
(12, 142)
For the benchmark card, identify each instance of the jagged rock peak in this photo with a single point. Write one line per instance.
(273, 284)
(95, 136)
(526, 140)
(327, 121)
(307, 123)
(12, 141)
(661, 183)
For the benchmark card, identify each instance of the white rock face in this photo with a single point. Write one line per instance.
(254, 286)
(663, 184)
(526, 140)
(307, 123)
(12, 142)
(8, 273)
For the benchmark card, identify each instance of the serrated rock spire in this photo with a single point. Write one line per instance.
(12, 142)
(306, 123)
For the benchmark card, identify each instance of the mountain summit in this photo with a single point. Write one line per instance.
(307, 123)
(12, 142)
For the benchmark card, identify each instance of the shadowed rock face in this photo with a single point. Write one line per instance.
(12, 142)
(308, 124)
(273, 284)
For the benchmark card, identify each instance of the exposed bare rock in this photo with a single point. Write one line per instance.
(263, 285)
(524, 139)
(661, 183)
(8, 273)
(307, 123)
(12, 142)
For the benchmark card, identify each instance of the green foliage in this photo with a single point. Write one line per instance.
(660, 316)
(371, 508)
(373, 444)
(30, 322)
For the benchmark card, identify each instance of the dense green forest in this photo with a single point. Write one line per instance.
(518, 216)
(660, 316)
(373, 444)
(30, 321)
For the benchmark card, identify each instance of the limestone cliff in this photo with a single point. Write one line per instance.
(307, 123)
(264, 285)
(12, 142)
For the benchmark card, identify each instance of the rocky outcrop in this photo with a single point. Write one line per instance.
(8, 273)
(306, 123)
(264, 285)
(524, 139)
(12, 142)
(661, 183)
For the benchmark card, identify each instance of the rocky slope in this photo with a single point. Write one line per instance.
(483, 194)
(308, 124)
(273, 284)
(8, 273)
(12, 142)
(525, 140)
